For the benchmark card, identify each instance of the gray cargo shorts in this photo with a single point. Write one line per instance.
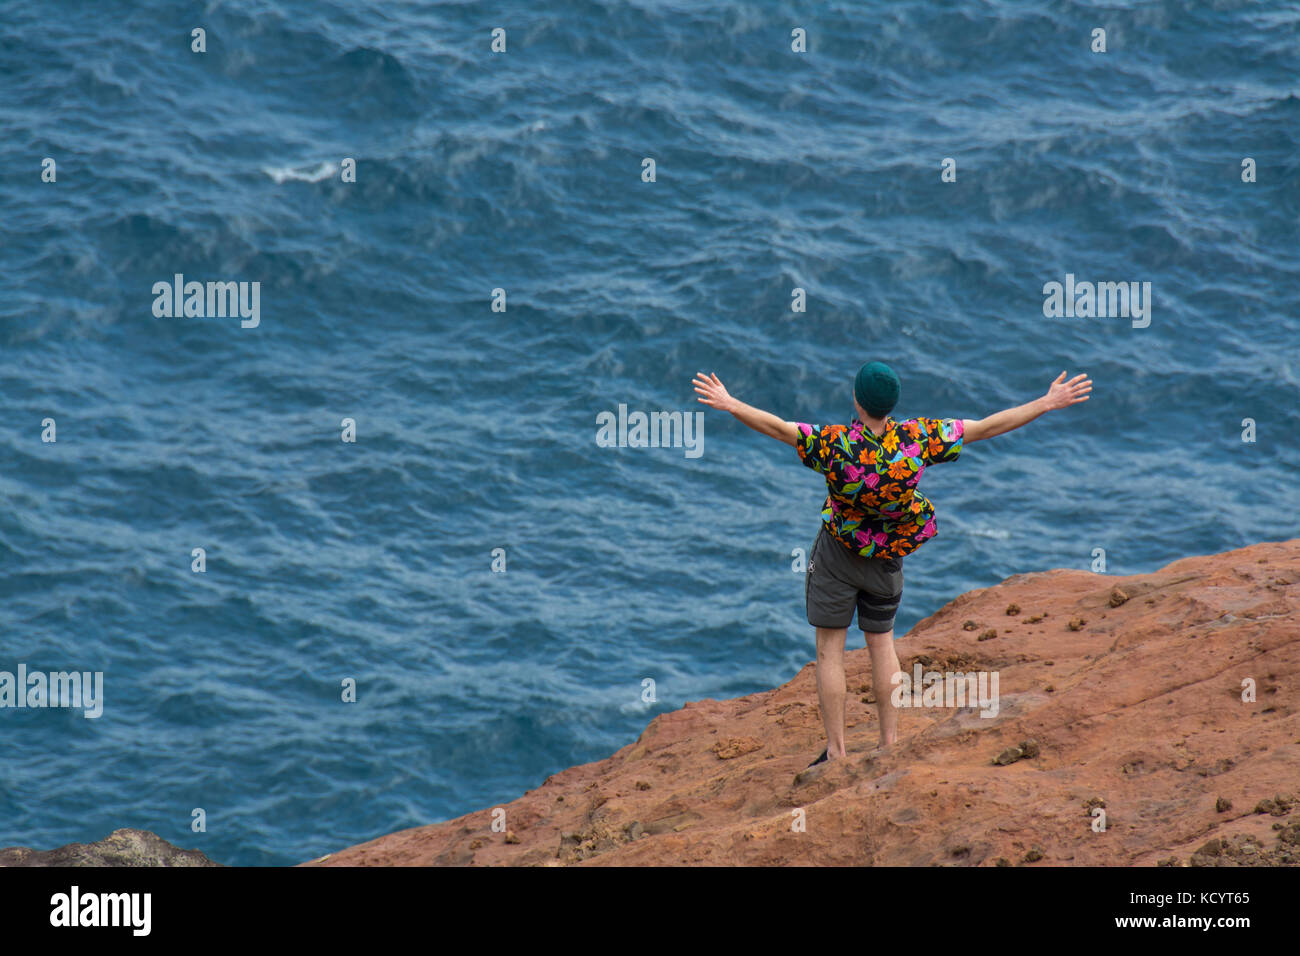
(839, 582)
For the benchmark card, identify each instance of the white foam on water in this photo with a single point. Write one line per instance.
(302, 173)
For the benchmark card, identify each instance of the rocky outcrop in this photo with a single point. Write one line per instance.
(1144, 720)
(119, 848)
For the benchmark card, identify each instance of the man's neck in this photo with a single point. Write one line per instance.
(877, 425)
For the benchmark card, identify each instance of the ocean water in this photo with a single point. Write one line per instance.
(476, 429)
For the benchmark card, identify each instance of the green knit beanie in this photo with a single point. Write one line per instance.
(876, 388)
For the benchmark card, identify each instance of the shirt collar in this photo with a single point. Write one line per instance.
(867, 432)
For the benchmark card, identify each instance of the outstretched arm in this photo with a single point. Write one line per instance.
(714, 394)
(1060, 395)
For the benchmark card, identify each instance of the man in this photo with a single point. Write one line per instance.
(873, 516)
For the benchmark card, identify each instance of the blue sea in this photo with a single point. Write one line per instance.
(474, 410)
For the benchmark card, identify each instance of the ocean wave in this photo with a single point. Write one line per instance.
(303, 173)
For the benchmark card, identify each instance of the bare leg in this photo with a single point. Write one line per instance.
(830, 687)
(884, 665)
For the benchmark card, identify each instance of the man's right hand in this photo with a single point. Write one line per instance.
(1062, 394)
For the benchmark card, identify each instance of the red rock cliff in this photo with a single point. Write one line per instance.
(1127, 690)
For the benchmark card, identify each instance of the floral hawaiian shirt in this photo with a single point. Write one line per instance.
(873, 507)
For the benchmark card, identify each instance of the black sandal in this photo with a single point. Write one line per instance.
(822, 759)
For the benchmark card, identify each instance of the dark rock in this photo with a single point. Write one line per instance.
(1008, 756)
(120, 848)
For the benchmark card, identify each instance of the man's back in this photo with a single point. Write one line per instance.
(872, 506)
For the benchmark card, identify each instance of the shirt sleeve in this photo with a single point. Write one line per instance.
(814, 446)
(942, 439)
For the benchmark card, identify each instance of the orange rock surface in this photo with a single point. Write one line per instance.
(1128, 689)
